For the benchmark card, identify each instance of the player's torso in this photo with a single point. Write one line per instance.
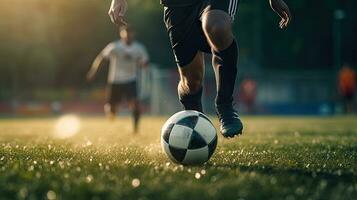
(123, 62)
(178, 2)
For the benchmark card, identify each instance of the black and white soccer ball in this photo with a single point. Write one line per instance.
(189, 138)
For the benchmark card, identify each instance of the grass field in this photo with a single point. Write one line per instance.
(276, 158)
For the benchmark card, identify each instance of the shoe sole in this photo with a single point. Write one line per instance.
(237, 133)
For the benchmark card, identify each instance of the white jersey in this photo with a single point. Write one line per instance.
(124, 60)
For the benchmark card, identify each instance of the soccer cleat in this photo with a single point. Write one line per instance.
(231, 125)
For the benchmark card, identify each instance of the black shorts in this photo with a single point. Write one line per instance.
(184, 27)
(118, 92)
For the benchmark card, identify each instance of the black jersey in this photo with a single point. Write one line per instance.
(178, 3)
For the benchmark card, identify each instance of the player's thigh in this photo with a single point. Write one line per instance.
(226, 7)
(184, 29)
(192, 74)
(115, 95)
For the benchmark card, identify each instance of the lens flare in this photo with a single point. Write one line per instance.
(67, 126)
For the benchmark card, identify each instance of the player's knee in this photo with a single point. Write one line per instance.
(194, 85)
(218, 29)
(190, 86)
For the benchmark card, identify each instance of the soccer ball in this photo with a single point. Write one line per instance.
(189, 138)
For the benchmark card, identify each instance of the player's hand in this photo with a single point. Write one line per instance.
(280, 7)
(117, 11)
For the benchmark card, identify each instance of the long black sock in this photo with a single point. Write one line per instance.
(136, 118)
(191, 101)
(225, 63)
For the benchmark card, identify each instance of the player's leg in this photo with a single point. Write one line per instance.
(110, 110)
(184, 29)
(131, 94)
(136, 113)
(190, 85)
(110, 106)
(217, 26)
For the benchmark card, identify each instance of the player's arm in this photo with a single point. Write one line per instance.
(143, 60)
(280, 7)
(98, 61)
(95, 66)
(117, 11)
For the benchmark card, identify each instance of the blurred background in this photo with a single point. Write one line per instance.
(47, 47)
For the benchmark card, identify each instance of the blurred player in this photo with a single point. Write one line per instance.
(347, 87)
(126, 56)
(204, 26)
(248, 94)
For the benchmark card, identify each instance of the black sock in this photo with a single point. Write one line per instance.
(225, 63)
(136, 118)
(191, 101)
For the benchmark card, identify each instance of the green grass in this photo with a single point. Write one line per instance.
(276, 158)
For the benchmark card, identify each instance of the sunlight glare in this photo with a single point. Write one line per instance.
(67, 126)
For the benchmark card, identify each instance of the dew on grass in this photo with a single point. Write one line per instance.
(51, 195)
(61, 164)
(89, 143)
(197, 175)
(135, 183)
(175, 169)
(31, 168)
(89, 178)
(182, 167)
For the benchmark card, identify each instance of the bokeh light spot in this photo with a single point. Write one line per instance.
(67, 126)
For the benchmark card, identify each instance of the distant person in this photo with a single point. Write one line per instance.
(196, 27)
(347, 87)
(248, 94)
(126, 56)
